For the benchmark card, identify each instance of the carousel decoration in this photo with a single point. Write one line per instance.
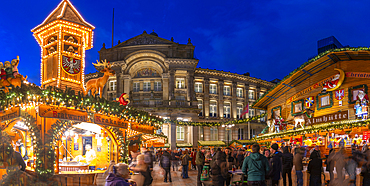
(98, 84)
(9, 75)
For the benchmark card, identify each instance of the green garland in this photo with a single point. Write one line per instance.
(316, 129)
(123, 143)
(58, 97)
(210, 124)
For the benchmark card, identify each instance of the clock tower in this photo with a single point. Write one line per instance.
(64, 36)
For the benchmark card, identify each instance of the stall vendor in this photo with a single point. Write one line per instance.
(90, 157)
(357, 140)
(319, 141)
(308, 142)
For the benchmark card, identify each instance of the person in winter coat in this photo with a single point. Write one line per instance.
(229, 162)
(330, 164)
(193, 158)
(268, 179)
(121, 176)
(276, 164)
(339, 159)
(145, 177)
(240, 159)
(315, 169)
(256, 167)
(287, 165)
(199, 160)
(185, 164)
(175, 159)
(166, 165)
(297, 161)
(219, 169)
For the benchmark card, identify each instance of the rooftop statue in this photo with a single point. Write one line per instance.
(9, 75)
(98, 83)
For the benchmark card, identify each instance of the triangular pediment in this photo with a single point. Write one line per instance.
(145, 39)
(65, 11)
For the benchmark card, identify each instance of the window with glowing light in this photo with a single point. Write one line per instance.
(198, 87)
(213, 89)
(180, 83)
(239, 92)
(112, 85)
(180, 133)
(146, 86)
(227, 91)
(136, 87)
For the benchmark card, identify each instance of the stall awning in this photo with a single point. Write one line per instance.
(211, 143)
(183, 145)
(243, 142)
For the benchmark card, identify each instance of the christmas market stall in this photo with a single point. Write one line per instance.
(322, 103)
(64, 137)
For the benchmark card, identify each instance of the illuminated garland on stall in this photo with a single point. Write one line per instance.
(122, 143)
(210, 124)
(315, 129)
(57, 97)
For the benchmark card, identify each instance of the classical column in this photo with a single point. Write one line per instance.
(172, 84)
(221, 133)
(172, 139)
(206, 133)
(234, 133)
(247, 102)
(195, 136)
(233, 101)
(258, 90)
(126, 83)
(190, 88)
(119, 78)
(206, 98)
(165, 86)
(220, 99)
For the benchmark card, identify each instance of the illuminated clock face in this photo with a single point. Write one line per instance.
(70, 65)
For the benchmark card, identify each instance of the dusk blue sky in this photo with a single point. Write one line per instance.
(269, 39)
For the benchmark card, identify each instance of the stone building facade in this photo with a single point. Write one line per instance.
(161, 77)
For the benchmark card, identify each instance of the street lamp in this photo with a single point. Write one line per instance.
(228, 127)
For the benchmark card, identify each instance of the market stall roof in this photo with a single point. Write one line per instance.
(243, 142)
(308, 69)
(183, 145)
(211, 143)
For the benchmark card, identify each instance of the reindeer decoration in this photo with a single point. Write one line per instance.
(98, 84)
(299, 119)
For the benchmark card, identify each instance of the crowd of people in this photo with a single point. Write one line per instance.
(260, 165)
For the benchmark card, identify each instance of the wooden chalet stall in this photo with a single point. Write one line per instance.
(64, 143)
(324, 102)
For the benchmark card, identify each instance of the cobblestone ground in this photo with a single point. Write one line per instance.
(176, 179)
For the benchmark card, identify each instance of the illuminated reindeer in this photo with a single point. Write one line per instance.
(98, 84)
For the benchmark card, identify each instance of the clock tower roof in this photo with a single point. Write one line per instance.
(65, 11)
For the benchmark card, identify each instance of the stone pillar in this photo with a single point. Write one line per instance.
(127, 83)
(190, 88)
(234, 133)
(246, 97)
(207, 133)
(172, 85)
(206, 98)
(152, 85)
(221, 133)
(172, 139)
(119, 78)
(220, 99)
(165, 86)
(195, 136)
(258, 90)
(233, 101)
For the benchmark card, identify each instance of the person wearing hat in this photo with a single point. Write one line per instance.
(120, 177)
(276, 164)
